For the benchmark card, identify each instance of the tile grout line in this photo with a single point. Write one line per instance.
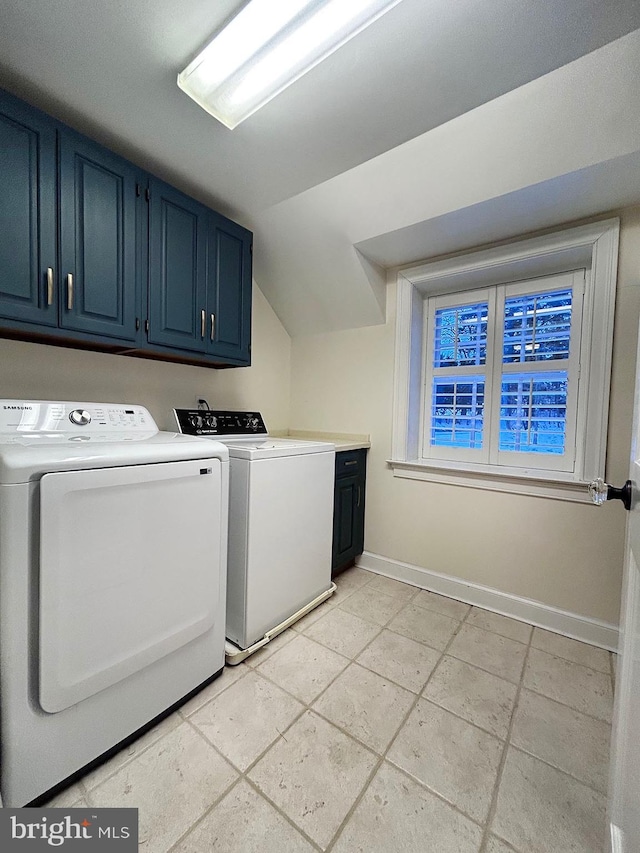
(380, 757)
(333, 605)
(205, 814)
(135, 755)
(503, 758)
(420, 693)
(568, 707)
(383, 756)
(565, 704)
(283, 814)
(243, 775)
(557, 769)
(572, 662)
(182, 718)
(533, 689)
(208, 701)
(132, 757)
(463, 719)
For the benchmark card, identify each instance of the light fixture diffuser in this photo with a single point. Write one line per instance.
(268, 46)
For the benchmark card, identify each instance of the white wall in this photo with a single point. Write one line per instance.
(566, 139)
(563, 554)
(342, 381)
(36, 371)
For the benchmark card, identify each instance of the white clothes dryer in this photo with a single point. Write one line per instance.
(113, 546)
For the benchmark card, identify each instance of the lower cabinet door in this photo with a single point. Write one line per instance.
(348, 520)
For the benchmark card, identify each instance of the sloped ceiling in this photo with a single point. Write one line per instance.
(365, 161)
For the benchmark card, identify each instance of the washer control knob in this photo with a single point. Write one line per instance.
(195, 421)
(211, 421)
(80, 417)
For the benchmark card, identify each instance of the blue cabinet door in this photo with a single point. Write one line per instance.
(97, 239)
(229, 290)
(28, 265)
(177, 269)
(348, 508)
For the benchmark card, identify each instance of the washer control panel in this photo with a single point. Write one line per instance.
(219, 423)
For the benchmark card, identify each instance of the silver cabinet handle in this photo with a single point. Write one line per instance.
(49, 286)
(352, 462)
(213, 326)
(69, 292)
(358, 501)
(202, 323)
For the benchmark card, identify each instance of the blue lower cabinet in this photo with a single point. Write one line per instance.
(348, 508)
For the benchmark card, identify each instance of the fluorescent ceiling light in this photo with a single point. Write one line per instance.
(268, 46)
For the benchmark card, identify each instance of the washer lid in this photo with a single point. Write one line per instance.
(270, 448)
(244, 433)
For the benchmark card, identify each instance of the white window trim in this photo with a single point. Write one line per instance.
(594, 247)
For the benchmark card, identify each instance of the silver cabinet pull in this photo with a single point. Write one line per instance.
(49, 286)
(202, 323)
(213, 326)
(358, 501)
(352, 462)
(69, 292)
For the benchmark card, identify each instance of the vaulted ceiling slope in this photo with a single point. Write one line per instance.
(392, 145)
(559, 148)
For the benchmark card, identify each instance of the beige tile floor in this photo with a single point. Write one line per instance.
(389, 720)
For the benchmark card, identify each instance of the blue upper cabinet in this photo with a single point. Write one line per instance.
(199, 279)
(97, 239)
(177, 269)
(28, 265)
(96, 253)
(229, 290)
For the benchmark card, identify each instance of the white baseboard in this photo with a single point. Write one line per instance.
(593, 631)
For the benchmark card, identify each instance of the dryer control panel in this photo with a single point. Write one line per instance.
(212, 422)
(44, 417)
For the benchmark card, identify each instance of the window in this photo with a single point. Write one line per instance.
(502, 372)
(502, 365)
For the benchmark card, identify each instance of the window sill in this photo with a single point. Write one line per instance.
(518, 484)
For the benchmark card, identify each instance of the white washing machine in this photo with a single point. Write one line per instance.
(113, 543)
(280, 523)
